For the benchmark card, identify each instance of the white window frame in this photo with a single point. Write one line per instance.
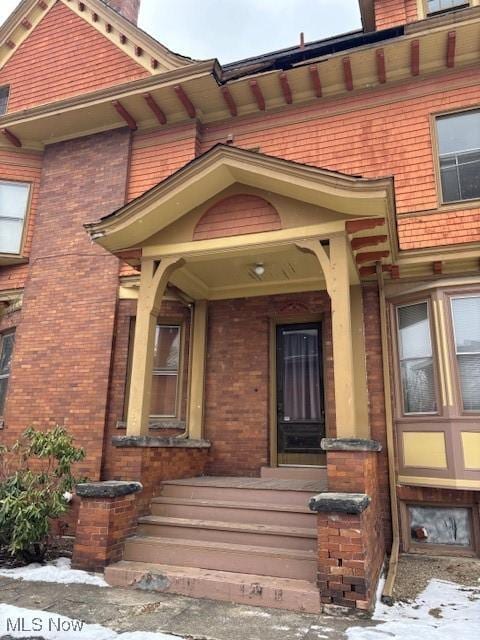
(461, 406)
(24, 220)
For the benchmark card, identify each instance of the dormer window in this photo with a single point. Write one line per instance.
(14, 199)
(436, 6)
(4, 93)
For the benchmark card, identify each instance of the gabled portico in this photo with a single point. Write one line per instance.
(312, 230)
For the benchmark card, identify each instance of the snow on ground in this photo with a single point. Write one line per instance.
(57, 571)
(50, 626)
(443, 611)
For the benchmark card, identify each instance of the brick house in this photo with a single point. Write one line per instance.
(254, 289)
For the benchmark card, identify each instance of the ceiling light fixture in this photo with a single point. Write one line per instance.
(259, 269)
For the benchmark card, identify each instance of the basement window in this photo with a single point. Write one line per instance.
(6, 350)
(459, 155)
(4, 94)
(14, 198)
(437, 6)
(439, 525)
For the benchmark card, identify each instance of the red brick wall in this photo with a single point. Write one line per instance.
(71, 57)
(238, 214)
(61, 366)
(237, 377)
(103, 524)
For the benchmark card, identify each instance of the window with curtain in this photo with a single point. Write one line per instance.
(6, 350)
(301, 388)
(166, 371)
(466, 326)
(13, 210)
(416, 359)
(459, 155)
(433, 6)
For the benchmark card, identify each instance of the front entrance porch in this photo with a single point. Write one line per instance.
(269, 257)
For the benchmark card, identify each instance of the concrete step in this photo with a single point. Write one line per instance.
(248, 589)
(231, 532)
(294, 473)
(252, 490)
(269, 513)
(266, 561)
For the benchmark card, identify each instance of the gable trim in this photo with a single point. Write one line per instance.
(126, 36)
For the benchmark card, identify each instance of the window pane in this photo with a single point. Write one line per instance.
(459, 132)
(4, 91)
(10, 235)
(301, 375)
(167, 348)
(442, 5)
(466, 320)
(6, 353)
(13, 199)
(164, 395)
(418, 386)
(3, 393)
(469, 368)
(450, 184)
(414, 330)
(469, 175)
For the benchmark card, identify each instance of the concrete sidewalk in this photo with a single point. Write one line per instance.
(128, 610)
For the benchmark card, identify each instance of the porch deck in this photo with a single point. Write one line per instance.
(266, 484)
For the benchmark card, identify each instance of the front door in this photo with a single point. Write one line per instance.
(300, 398)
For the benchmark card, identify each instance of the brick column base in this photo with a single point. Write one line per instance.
(107, 516)
(351, 545)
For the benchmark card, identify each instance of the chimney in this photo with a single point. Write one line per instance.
(129, 9)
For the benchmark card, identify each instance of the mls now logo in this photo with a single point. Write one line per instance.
(17, 625)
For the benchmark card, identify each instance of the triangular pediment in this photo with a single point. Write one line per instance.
(210, 175)
(55, 49)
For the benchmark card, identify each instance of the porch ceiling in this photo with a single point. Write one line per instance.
(287, 270)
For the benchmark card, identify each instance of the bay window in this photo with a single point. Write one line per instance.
(416, 359)
(14, 197)
(466, 329)
(6, 350)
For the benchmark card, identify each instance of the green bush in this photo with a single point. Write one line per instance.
(35, 473)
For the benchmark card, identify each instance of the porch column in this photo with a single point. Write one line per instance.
(348, 362)
(153, 281)
(197, 382)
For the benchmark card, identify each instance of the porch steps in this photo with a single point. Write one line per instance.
(233, 532)
(248, 589)
(230, 511)
(229, 539)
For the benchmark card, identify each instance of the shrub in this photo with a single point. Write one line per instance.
(35, 473)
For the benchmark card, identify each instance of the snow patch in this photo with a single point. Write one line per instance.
(444, 610)
(54, 627)
(56, 571)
